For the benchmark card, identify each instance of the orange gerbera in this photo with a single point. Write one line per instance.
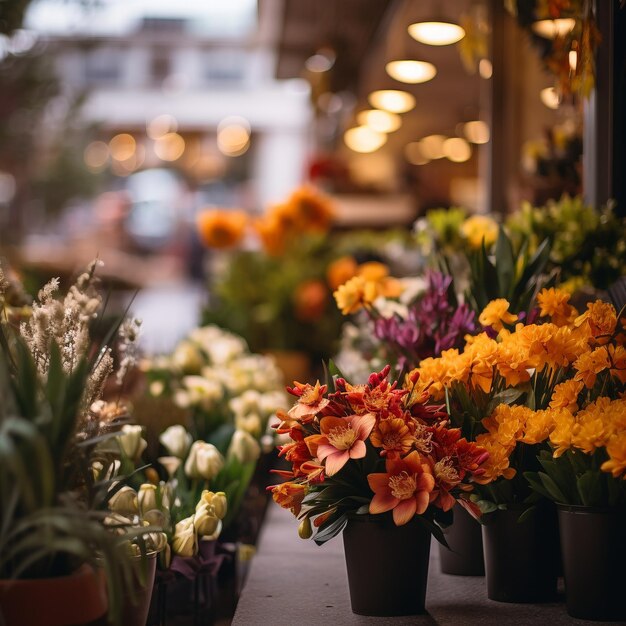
(272, 234)
(219, 228)
(555, 304)
(343, 438)
(289, 495)
(355, 294)
(393, 436)
(496, 314)
(313, 210)
(404, 488)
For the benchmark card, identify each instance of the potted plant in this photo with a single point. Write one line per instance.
(374, 462)
(59, 562)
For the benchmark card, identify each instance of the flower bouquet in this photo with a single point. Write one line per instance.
(510, 390)
(375, 454)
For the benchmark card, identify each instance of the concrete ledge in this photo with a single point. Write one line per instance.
(293, 582)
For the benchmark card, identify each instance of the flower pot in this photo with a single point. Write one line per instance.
(79, 598)
(136, 600)
(464, 557)
(594, 553)
(521, 558)
(387, 565)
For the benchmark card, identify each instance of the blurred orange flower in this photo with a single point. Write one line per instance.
(310, 300)
(496, 314)
(221, 228)
(341, 271)
(313, 211)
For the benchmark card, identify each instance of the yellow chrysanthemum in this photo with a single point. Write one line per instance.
(479, 228)
(593, 429)
(512, 363)
(616, 449)
(497, 464)
(565, 395)
(601, 318)
(506, 424)
(561, 435)
(554, 303)
(496, 314)
(538, 426)
(589, 364)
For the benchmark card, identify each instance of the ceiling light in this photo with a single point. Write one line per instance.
(364, 139)
(321, 61)
(432, 146)
(550, 97)
(551, 29)
(380, 121)
(457, 150)
(392, 100)
(485, 68)
(436, 33)
(233, 136)
(169, 147)
(122, 146)
(414, 155)
(409, 71)
(476, 131)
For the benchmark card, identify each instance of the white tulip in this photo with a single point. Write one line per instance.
(205, 521)
(124, 501)
(216, 500)
(204, 461)
(170, 463)
(176, 440)
(147, 497)
(244, 447)
(184, 542)
(250, 423)
(131, 442)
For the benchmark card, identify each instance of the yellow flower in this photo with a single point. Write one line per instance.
(554, 303)
(593, 426)
(354, 294)
(616, 449)
(538, 426)
(377, 277)
(496, 314)
(561, 435)
(481, 352)
(589, 364)
(601, 319)
(220, 228)
(497, 464)
(565, 395)
(513, 363)
(479, 228)
(506, 424)
(340, 271)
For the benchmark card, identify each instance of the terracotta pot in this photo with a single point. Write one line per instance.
(521, 558)
(594, 552)
(464, 557)
(387, 565)
(79, 598)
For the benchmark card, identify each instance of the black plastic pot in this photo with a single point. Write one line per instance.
(465, 555)
(594, 556)
(521, 558)
(387, 565)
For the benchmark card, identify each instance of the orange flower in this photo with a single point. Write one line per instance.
(393, 436)
(513, 363)
(554, 303)
(537, 428)
(289, 495)
(221, 228)
(340, 271)
(565, 395)
(343, 438)
(404, 488)
(314, 212)
(590, 364)
(310, 298)
(446, 478)
(354, 294)
(616, 449)
(496, 314)
(561, 435)
(310, 401)
(497, 463)
(601, 318)
(272, 234)
(617, 356)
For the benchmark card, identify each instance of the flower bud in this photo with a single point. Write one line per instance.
(131, 442)
(170, 463)
(204, 461)
(147, 497)
(176, 440)
(305, 530)
(244, 447)
(184, 540)
(216, 500)
(188, 358)
(251, 423)
(124, 501)
(156, 541)
(157, 518)
(205, 521)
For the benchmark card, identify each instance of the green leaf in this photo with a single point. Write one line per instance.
(589, 487)
(331, 528)
(553, 490)
(505, 264)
